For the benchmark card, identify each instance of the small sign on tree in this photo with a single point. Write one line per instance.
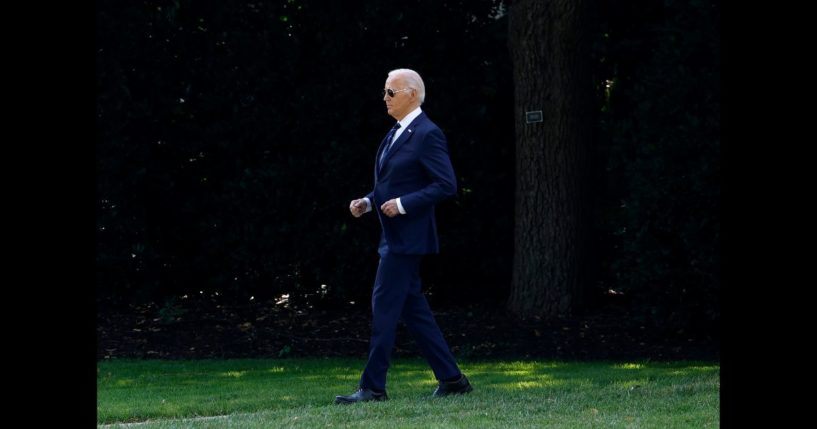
(534, 116)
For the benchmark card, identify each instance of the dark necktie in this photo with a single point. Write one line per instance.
(389, 142)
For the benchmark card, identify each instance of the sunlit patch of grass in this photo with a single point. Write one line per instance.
(300, 392)
(629, 366)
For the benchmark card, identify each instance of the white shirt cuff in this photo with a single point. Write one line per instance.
(400, 207)
(368, 205)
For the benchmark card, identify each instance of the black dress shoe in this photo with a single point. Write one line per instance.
(362, 395)
(453, 387)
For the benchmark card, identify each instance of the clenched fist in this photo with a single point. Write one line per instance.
(358, 207)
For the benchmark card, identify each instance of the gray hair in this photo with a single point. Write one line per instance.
(413, 80)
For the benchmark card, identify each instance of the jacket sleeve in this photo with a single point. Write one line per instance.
(443, 184)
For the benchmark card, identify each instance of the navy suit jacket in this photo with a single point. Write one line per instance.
(416, 169)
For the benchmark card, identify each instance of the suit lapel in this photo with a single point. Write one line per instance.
(407, 134)
(377, 163)
(379, 151)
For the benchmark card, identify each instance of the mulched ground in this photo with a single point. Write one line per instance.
(202, 327)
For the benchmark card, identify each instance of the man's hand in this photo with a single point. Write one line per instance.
(358, 207)
(389, 208)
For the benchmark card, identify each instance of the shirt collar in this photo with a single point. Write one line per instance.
(410, 117)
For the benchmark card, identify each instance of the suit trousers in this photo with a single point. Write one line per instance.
(397, 295)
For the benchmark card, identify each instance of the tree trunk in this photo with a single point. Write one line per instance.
(550, 45)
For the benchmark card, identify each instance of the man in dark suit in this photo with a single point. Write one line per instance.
(412, 173)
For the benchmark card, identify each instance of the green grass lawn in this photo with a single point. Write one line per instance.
(269, 393)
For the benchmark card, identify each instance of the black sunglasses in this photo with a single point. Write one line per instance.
(391, 92)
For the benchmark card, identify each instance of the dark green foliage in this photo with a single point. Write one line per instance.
(232, 136)
(660, 145)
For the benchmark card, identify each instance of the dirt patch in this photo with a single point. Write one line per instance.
(207, 328)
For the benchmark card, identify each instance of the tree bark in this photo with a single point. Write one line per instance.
(550, 44)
